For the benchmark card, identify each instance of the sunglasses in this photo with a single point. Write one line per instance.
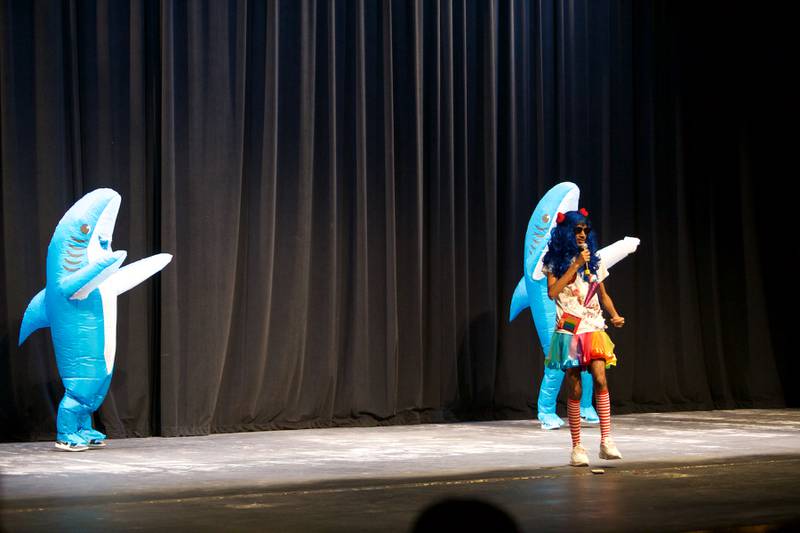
(582, 229)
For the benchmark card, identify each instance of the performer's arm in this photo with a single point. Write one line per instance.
(554, 286)
(608, 305)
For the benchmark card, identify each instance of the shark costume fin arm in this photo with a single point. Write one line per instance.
(617, 251)
(519, 301)
(131, 275)
(35, 317)
(79, 285)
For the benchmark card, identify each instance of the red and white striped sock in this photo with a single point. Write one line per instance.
(574, 417)
(603, 404)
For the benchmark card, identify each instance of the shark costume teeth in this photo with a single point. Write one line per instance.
(531, 292)
(79, 305)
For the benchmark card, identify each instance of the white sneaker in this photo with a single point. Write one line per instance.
(70, 446)
(608, 450)
(579, 457)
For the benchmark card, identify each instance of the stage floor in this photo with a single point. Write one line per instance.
(682, 471)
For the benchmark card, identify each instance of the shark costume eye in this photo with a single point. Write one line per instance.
(85, 229)
(546, 218)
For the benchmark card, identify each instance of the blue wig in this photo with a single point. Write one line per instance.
(562, 247)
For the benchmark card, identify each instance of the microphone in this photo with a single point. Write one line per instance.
(586, 272)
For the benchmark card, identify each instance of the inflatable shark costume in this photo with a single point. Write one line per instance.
(531, 292)
(79, 304)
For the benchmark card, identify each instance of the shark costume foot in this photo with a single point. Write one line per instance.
(548, 392)
(589, 415)
(75, 413)
(74, 417)
(95, 438)
(92, 434)
(550, 421)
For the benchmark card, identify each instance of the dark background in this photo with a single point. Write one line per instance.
(346, 185)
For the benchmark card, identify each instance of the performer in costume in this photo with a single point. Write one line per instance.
(531, 292)
(79, 305)
(575, 277)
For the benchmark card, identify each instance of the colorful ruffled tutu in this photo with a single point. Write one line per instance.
(573, 351)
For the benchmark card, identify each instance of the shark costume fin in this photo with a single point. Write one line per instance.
(35, 317)
(131, 275)
(617, 251)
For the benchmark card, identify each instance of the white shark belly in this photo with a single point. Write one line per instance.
(109, 299)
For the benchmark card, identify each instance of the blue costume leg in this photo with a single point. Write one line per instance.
(70, 412)
(548, 392)
(588, 414)
(91, 435)
(87, 431)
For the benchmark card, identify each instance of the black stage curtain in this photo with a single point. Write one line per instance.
(345, 186)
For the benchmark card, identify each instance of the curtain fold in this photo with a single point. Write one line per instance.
(345, 188)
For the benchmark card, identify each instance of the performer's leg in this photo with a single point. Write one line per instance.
(91, 435)
(588, 414)
(608, 449)
(94, 437)
(70, 411)
(578, 456)
(548, 393)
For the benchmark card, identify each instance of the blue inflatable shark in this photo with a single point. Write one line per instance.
(531, 292)
(79, 305)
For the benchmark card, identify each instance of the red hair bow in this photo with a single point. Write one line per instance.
(584, 212)
(560, 218)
